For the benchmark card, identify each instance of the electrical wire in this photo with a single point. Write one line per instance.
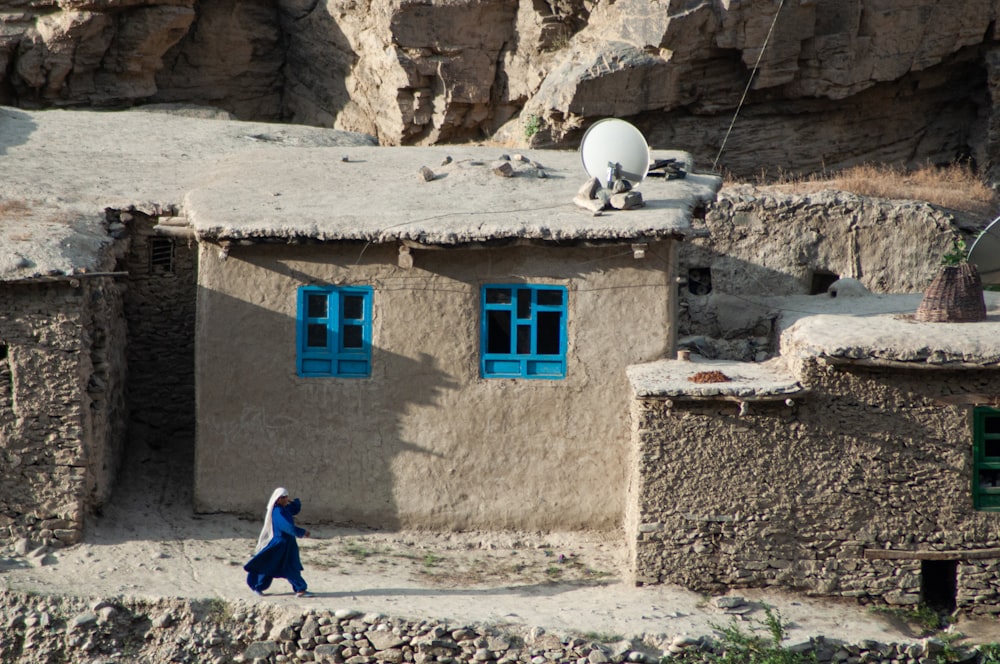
(746, 90)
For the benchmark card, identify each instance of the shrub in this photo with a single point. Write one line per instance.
(738, 646)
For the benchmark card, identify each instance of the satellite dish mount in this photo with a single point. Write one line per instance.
(613, 150)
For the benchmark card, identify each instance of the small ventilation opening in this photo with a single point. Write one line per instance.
(700, 280)
(161, 254)
(3, 351)
(821, 281)
(939, 584)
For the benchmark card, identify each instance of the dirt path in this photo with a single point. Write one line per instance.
(148, 543)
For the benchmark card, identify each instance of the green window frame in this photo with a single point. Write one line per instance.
(986, 459)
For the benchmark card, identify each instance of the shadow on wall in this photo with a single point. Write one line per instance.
(318, 58)
(715, 317)
(261, 61)
(334, 442)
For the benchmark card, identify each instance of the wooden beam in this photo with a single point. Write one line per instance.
(970, 399)
(968, 554)
(186, 233)
(919, 365)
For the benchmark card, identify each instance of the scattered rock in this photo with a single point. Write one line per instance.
(729, 602)
(163, 620)
(503, 169)
(82, 621)
(628, 200)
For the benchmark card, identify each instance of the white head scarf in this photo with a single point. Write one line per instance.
(267, 532)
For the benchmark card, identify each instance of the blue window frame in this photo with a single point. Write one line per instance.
(523, 331)
(334, 331)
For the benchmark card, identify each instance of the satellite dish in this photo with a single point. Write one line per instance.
(985, 253)
(613, 149)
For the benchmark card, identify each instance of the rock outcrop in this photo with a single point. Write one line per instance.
(833, 83)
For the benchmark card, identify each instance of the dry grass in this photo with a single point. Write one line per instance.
(956, 187)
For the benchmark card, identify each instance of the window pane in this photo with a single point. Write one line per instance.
(989, 479)
(547, 332)
(498, 296)
(991, 424)
(523, 339)
(991, 448)
(523, 303)
(316, 336)
(498, 331)
(316, 305)
(352, 336)
(550, 297)
(354, 307)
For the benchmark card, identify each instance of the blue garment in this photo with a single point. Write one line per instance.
(280, 558)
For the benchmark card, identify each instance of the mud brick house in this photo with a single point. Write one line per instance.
(443, 353)
(861, 462)
(62, 373)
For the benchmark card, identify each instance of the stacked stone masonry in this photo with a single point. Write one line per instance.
(38, 629)
(822, 496)
(160, 310)
(61, 404)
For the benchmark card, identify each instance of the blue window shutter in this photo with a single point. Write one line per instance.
(334, 331)
(523, 331)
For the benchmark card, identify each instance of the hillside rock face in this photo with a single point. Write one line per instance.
(835, 82)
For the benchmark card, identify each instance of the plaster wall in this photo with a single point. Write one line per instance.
(423, 442)
(869, 459)
(61, 405)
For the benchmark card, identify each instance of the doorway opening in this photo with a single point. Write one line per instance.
(939, 584)
(821, 282)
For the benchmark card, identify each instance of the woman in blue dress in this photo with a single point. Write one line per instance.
(277, 552)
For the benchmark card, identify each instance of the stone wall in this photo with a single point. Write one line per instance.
(160, 310)
(761, 240)
(87, 362)
(62, 412)
(41, 629)
(813, 496)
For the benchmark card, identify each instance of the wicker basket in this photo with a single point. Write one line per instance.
(955, 296)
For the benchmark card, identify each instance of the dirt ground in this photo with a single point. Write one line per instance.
(148, 543)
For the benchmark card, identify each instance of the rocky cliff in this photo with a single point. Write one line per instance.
(833, 83)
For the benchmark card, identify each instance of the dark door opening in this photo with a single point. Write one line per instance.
(939, 583)
(700, 280)
(821, 282)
